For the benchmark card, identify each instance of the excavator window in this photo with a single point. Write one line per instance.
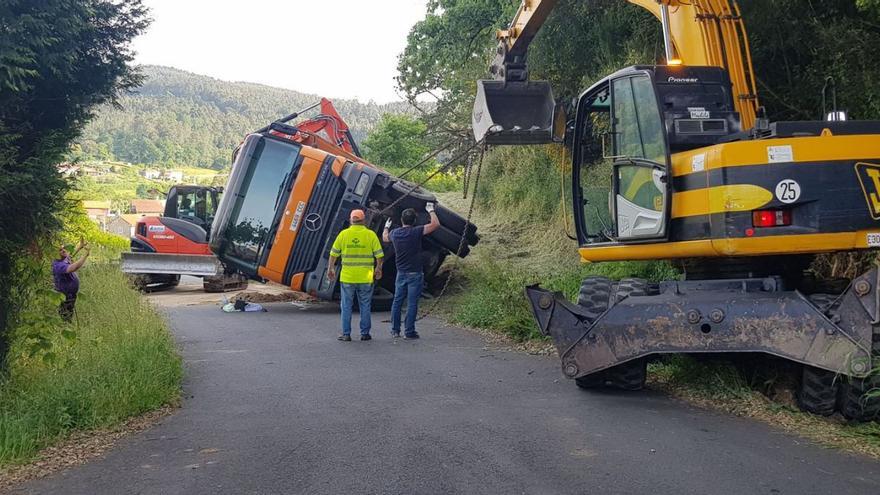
(621, 161)
(637, 125)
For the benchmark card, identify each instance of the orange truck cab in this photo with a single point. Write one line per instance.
(286, 202)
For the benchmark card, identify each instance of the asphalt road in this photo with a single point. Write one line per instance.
(274, 404)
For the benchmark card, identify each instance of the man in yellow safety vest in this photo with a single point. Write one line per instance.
(362, 258)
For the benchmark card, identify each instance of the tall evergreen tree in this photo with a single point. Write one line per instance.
(59, 59)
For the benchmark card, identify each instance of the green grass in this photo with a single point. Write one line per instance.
(116, 361)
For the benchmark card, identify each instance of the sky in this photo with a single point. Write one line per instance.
(333, 48)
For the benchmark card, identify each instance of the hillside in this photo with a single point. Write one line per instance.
(182, 119)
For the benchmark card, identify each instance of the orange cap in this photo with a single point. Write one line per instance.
(357, 215)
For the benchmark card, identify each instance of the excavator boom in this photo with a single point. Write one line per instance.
(513, 110)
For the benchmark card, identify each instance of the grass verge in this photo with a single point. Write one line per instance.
(115, 361)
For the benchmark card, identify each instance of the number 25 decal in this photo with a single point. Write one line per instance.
(788, 191)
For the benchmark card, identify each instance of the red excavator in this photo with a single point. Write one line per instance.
(176, 243)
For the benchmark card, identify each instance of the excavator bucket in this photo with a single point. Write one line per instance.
(513, 112)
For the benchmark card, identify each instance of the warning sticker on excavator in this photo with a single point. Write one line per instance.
(874, 239)
(698, 163)
(780, 154)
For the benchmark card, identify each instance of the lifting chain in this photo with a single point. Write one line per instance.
(463, 239)
(437, 172)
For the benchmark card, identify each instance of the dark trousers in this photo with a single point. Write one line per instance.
(67, 307)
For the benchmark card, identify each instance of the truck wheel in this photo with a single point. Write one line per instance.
(405, 188)
(817, 392)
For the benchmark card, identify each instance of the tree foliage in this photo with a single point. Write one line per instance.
(795, 44)
(59, 59)
(176, 118)
(397, 142)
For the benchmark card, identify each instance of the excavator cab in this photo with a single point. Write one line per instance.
(194, 204)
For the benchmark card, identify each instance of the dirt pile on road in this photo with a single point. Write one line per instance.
(262, 297)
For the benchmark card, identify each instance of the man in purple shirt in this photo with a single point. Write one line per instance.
(66, 281)
(410, 273)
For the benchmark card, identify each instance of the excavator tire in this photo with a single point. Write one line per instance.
(596, 295)
(818, 388)
(628, 376)
(817, 392)
(632, 374)
(859, 398)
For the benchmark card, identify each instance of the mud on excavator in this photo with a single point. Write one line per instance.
(697, 177)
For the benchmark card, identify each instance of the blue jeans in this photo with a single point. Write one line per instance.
(408, 285)
(364, 293)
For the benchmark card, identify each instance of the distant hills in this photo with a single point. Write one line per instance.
(182, 119)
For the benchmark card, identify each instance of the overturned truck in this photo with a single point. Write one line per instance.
(290, 193)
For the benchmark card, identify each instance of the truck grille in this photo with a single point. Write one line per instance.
(316, 220)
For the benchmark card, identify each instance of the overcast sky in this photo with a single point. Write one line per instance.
(333, 48)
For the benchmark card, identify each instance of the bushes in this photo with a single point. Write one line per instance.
(117, 360)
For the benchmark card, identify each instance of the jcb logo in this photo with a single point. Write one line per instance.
(869, 177)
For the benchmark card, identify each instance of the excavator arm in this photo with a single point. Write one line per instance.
(695, 33)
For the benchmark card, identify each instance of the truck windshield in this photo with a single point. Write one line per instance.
(254, 210)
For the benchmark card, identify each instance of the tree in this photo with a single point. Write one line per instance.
(143, 192)
(397, 142)
(795, 45)
(59, 60)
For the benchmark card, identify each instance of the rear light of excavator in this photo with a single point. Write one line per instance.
(771, 218)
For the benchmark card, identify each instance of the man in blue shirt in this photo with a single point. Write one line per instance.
(407, 242)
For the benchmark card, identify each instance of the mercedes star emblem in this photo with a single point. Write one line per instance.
(313, 222)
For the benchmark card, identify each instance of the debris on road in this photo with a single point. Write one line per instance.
(243, 306)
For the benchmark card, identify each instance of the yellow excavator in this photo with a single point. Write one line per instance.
(676, 162)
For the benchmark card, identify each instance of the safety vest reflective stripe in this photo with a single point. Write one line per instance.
(356, 263)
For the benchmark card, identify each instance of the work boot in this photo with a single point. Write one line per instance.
(344, 338)
(411, 336)
(395, 335)
(366, 337)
